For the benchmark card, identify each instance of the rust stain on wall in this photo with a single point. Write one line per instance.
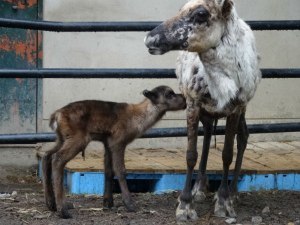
(15, 110)
(22, 4)
(25, 49)
(40, 49)
(19, 80)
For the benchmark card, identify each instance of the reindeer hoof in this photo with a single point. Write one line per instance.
(130, 207)
(108, 203)
(185, 211)
(199, 196)
(224, 207)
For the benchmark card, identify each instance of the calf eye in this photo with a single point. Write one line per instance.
(170, 94)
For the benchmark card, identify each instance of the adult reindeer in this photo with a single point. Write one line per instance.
(218, 74)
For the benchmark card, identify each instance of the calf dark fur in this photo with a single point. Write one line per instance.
(114, 124)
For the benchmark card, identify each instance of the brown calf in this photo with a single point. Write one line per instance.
(114, 124)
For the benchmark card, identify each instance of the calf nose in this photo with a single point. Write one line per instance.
(184, 104)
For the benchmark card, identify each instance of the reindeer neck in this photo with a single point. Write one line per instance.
(225, 53)
(145, 115)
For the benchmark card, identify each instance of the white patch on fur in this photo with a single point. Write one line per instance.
(230, 71)
(54, 126)
(221, 210)
(198, 196)
(184, 213)
(149, 39)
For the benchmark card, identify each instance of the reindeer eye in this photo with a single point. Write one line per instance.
(199, 16)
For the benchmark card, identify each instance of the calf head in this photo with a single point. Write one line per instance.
(199, 26)
(164, 98)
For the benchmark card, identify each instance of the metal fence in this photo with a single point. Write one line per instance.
(30, 138)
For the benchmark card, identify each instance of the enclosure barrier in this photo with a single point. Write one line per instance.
(122, 73)
(28, 138)
(127, 26)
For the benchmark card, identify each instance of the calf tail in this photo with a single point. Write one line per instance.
(52, 121)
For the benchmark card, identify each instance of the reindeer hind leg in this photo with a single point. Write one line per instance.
(242, 139)
(69, 150)
(108, 182)
(47, 175)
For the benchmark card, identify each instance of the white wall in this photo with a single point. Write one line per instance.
(277, 100)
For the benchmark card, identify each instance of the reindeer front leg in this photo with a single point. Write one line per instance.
(242, 139)
(185, 208)
(118, 155)
(201, 183)
(224, 203)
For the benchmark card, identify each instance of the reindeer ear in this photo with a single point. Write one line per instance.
(152, 96)
(226, 8)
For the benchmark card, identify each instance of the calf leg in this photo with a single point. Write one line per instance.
(224, 205)
(69, 150)
(118, 154)
(185, 208)
(47, 175)
(242, 138)
(108, 182)
(200, 185)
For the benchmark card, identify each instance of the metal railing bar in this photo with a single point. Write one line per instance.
(125, 26)
(123, 73)
(33, 138)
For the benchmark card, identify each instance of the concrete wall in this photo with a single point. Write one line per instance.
(276, 100)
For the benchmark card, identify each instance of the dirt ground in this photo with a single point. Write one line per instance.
(26, 206)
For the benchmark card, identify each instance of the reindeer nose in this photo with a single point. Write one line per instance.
(150, 41)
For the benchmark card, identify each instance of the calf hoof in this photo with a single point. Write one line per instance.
(51, 205)
(69, 205)
(64, 214)
(185, 211)
(224, 207)
(108, 203)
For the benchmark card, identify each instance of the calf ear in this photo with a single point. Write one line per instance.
(152, 96)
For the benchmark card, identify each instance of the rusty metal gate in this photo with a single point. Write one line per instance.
(29, 72)
(19, 49)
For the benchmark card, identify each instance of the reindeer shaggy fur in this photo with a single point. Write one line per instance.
(114, 124)
(218, 73)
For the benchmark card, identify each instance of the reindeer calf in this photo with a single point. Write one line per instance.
(114, 124)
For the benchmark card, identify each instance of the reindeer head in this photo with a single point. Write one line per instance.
(164, 98)
(199, 26)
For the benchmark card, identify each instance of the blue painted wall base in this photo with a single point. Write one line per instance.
(92, 182)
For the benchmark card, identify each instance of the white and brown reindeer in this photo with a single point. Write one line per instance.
(114, 124)
(218, 73)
